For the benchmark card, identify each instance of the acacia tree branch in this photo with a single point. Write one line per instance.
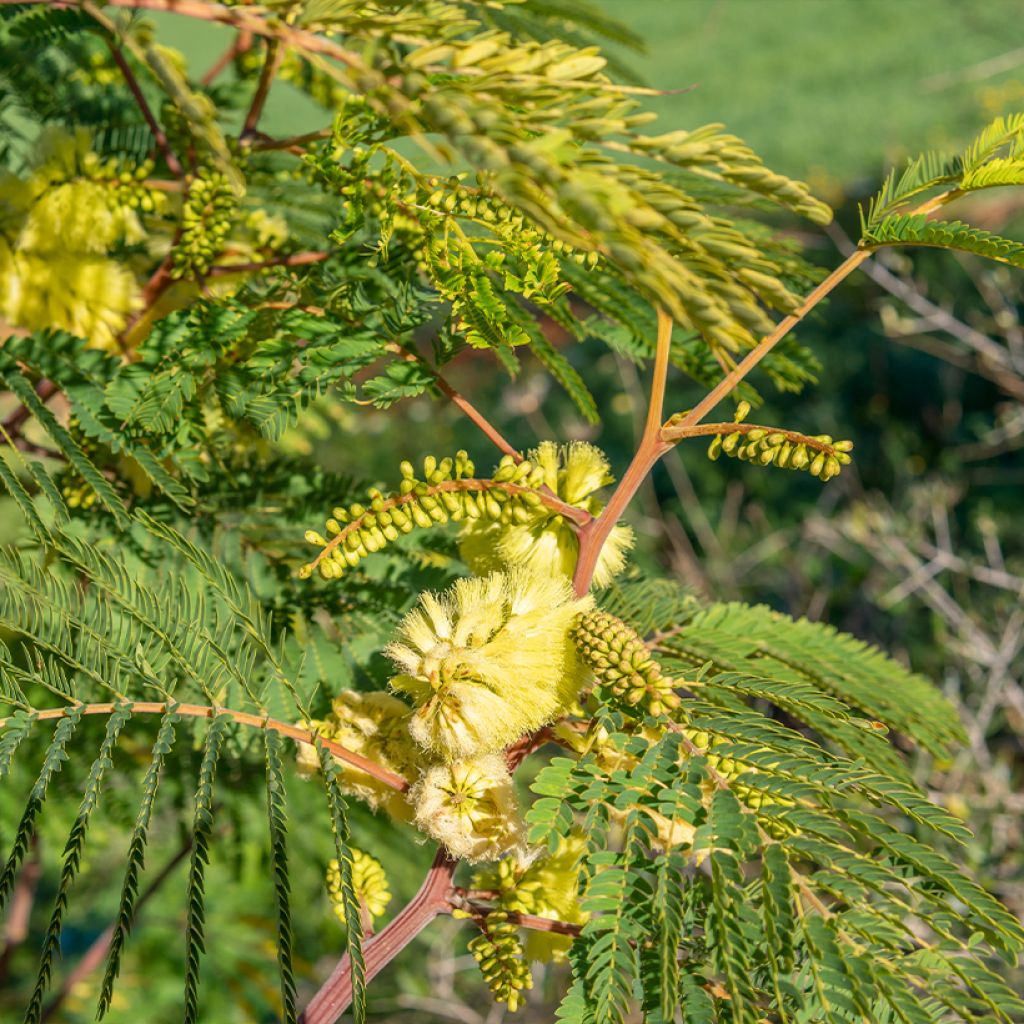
(295, 259)
(433, 898)
(389, 778)
(238, 17)
(159, 136)
(675, 433)
(653, 445)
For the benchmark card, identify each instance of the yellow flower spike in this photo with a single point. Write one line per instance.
(488, 661)
(542, 538)
(471, 808)
(369, 882)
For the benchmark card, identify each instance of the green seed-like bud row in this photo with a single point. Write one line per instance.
(622, 664)
(434, 497)
(499, 952)
(207, 213)
(821, 456)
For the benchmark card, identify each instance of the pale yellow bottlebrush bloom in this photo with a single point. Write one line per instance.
(488, 660)
(471, 808)
(376, 725)
(546, 541)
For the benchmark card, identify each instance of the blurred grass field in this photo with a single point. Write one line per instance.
(831, 89)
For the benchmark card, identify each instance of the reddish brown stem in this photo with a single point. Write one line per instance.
(433, 898)
(45, 389)
(593, 535)
(389, 778)
(239, 17)
(241, 43)
(275, 54)
(159, 136)
(492, 433)
(673, 433)
(296, 259)
(266, 142)
(94, 956)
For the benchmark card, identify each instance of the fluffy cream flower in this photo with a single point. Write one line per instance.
(376, 725)
(471, 807)
(545, 540)
(488, 660)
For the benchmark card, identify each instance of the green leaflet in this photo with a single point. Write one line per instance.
(73, 857)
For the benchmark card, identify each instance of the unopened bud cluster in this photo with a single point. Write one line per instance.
(452, 197)
(622, 664)
(445, 491)
(819, 455)
(124, 181)
(369, 884)
(499, 952)
(546, 886)
(207, 213)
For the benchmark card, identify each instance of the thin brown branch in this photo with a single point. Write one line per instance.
(433, 899)
(659, 376)
(241, 43)
(271, 63)
(847, 267)
(159, 136)
(238, 17)
(45, 389)
(731, 380)
(296, 259)
(94, 956)
(474, 414)
(475, 904)
(266, 142)
(595, 533)
(300, 735)
(23, 898)
(488, 429)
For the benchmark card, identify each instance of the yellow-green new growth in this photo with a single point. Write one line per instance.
(369, 882)
(488, 661)
(376, 725)
(471, 808)
(621, 662)
(544, 539)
